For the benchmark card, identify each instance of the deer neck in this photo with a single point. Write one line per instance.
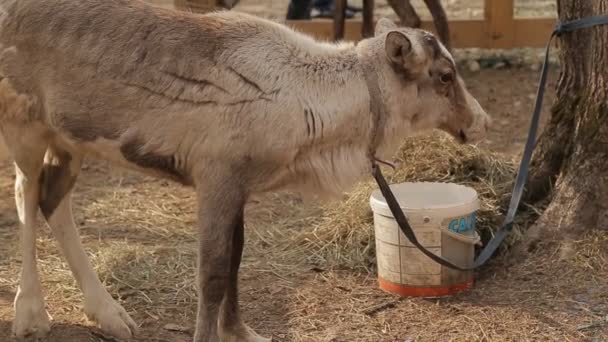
(336, 105)
(336, 97)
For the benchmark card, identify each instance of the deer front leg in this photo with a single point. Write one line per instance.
(232, 328)
(220, 213)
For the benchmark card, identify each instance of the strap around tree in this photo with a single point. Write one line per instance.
(522, 173)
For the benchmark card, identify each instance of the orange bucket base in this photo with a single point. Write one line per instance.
(416, 291)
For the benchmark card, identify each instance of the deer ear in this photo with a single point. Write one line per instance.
(399, 49)
(384, 25)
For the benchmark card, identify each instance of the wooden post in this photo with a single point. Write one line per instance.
(527, 32)
(500, 23)
(499, 29)
(368, 19)
(339, 19)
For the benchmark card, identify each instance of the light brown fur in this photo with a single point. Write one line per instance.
(231, 104)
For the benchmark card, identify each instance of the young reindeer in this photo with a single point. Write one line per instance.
(228, 103)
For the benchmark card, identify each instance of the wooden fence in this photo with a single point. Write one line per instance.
(498, 30)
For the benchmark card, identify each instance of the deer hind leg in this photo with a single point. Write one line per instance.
(27, 145)
(59, 174)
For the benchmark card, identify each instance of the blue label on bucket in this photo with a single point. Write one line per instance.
(463, 224)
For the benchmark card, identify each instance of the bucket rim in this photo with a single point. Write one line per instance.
(379, 205)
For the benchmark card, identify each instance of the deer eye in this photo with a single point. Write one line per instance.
(446, 78)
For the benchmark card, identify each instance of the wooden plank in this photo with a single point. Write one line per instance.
(322, 29)
(528, 32)
(533, 31)
(464, 33)
(196, 6)
(3, 150)
(500, 21)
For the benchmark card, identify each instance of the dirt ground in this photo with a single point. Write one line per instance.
(140, 235)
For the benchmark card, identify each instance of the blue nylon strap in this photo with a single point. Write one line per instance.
(524, 165)
(582, 23)
(522, 173)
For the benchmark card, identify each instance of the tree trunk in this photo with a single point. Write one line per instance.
(570, 166)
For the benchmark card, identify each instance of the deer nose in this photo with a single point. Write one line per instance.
(463, 136)
(487, 123)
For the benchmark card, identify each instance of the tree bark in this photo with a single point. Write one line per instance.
(570, 166)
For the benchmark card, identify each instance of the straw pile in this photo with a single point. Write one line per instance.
(343, 236)
(140, 235)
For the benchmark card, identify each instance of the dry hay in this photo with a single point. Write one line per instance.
(540, 299)
(141, 240)
(343, 236)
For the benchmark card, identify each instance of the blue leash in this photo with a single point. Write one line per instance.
(522, 173)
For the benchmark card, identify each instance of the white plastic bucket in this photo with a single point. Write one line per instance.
(443, 217)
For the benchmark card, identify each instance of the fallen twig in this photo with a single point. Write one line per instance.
(379, 307)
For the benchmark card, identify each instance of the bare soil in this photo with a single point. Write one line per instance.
(141, 238)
